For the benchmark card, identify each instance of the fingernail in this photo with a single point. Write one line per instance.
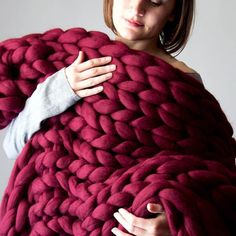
(115, 214)
(109, 75)
(159, 207)
(156, 207)
(108, 58)
(112, 67)
(113, 230)
(100, 88)
(121, 210)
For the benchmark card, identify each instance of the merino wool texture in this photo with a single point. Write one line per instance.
(154, 134)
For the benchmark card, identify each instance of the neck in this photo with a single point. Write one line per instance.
(149, 46)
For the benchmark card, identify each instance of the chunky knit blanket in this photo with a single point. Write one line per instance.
(154, 135)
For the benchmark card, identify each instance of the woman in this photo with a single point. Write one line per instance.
(158, 27)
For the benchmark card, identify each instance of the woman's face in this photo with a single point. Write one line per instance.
(141, 19)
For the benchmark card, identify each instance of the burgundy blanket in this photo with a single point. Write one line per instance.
(154, 135)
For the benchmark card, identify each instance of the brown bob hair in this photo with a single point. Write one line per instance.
(176, 32)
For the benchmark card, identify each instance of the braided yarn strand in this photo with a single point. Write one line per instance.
(154, 134)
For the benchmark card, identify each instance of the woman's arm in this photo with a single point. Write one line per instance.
(54, 96)
(50, 98)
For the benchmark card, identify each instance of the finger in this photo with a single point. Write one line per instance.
(161, 226)
(95, 71)
(118, 232)
(93, 63)
(134, 220)
(79, 59)
(151, 226)
(89, 92)
(91, 82)
(128, 226)
(154, 208)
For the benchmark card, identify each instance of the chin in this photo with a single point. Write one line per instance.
(129, 36)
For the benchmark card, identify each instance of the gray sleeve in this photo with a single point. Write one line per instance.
(50, 98)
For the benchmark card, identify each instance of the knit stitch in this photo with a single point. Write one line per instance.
(154, 135)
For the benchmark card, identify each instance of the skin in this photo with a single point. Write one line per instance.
(156, 226)
(84, 76)
(137, 22)
(152, 16)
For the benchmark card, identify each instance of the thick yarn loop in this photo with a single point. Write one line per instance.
(154, 134)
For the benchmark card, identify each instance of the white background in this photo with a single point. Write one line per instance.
(211, 50)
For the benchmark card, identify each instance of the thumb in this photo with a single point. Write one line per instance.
(154, 208)
(80, 58)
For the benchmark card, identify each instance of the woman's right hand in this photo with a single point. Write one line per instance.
(84, 76)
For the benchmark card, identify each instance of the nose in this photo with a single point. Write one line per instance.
(137, 7)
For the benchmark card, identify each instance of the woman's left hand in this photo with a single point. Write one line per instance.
(138, 226)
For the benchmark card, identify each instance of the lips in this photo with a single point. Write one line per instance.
(134, 23)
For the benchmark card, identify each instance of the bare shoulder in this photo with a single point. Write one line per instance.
(176, 63)
(186, 69)
(183, 67)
